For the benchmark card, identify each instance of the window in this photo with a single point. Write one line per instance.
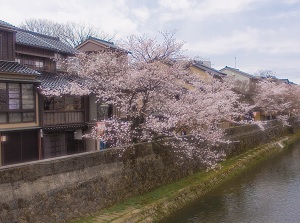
(28, 63)
(39, 64)
(104, 111)
(63, 103)
(54, 145)
(14, 96)
(27, 96)
(3, 96)
(31, 63)
(17, 103)
(0, 46)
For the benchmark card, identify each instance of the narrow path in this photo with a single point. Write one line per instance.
(115, 217)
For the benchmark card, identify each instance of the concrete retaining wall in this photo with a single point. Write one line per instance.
(64, 188)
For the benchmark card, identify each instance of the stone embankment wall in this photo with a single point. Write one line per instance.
(60, 189)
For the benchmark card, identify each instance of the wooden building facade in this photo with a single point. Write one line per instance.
(34, 125)
(19, 114)
(63, 118)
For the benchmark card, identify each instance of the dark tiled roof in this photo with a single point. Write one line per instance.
(57, 81)
(15, 67)
(285, 80)
(209, 70)
(63, 128)
(107, 43)
(238, 71)
(7, 25)
(29, 38)
(54, 80)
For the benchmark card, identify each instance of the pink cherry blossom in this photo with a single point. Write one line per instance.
(155, 89)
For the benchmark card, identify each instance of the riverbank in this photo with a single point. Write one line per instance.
(158, 204)
(66, 188)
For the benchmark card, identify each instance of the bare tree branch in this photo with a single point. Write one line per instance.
(71, 33)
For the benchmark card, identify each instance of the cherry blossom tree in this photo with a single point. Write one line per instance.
(153, 86)
(276, 97)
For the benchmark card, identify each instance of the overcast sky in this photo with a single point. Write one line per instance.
(260, 34)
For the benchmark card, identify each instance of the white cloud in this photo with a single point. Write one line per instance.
(229, 6)
(177, 5)
(261, 33)
(224, 44)
(291, 2)
(292, 14)
(250, 39)
(201, 10)
(142, 14)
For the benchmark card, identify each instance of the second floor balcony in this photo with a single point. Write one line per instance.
(66, 109)
(62, 117)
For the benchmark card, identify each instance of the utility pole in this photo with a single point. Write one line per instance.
(235, 62)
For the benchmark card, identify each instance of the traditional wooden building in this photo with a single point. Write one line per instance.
(32, 125)
(244, 83)
(63, 118)
(205, 72)
(19, 115)
(99, 112)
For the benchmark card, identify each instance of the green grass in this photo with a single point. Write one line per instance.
(201, 180)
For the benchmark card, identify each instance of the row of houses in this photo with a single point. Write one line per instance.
(33, 126)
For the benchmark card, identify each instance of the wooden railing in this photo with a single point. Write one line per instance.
(62, 117)
(44, 67)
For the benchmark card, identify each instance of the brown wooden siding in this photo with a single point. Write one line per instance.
(36, 54)
(63, 117)
(48, 63)
(34, 51)
(7, 46)
(19, 146)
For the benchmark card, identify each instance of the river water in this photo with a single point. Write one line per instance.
(269, 193)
